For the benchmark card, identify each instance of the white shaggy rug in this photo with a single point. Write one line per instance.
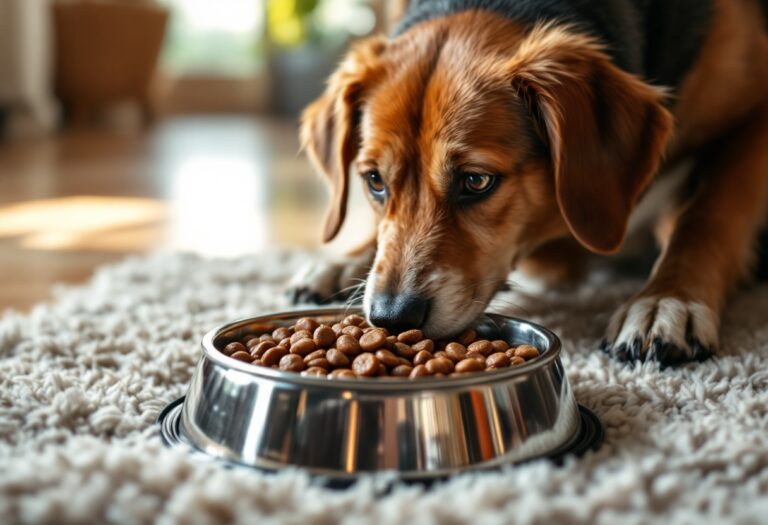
(82, 380)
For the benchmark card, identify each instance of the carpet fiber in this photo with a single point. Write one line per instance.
(83, 378)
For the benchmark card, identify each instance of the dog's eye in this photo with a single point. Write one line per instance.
(375, 184)
(477, 183)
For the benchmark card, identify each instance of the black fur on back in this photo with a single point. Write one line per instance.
(656, 39)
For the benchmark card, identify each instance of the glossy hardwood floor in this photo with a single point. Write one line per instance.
(214, 185)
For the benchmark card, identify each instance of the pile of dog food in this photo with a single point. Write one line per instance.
(351, 349)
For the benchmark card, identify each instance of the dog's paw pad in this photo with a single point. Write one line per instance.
(664, 329)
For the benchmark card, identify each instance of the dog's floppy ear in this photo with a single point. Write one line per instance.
(329, 126)
(606, 129)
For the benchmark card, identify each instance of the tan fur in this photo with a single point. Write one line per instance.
(575, 140)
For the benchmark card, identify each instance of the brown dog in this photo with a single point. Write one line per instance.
(492, 138)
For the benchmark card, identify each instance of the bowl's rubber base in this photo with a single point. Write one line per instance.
(590, 437)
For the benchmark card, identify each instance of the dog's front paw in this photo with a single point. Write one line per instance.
(665, 329)
(325, 281)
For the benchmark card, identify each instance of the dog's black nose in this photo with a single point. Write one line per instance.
(398, 311)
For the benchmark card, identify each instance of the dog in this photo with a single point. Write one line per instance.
(499, 134)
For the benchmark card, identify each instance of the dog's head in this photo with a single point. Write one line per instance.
(477, 141)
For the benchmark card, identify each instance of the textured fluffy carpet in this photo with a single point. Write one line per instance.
(82, 380)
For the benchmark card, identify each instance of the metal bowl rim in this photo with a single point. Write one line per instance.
(551, 353)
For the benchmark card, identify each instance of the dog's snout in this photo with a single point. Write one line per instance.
(401, 311)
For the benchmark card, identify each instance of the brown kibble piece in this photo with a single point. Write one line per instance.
(403, 350)
(373, 340)
(259, 349)
(300, 334)
(382, 370)
(354, 331)
(233, 348)
(342, 373)
(365, 365)
(419, 371)
(456, 352)
(337, 358)
(387, 357)
(441, 353)
(390, 342)
(482, 346)
(467, 336)
(516, 360)
(410, 337)
(470, 365)
(497, 360)
(427, 345)
(315, 371)
(281, 333)
(337, 328)
(273, 355)
(252, 341)
(266, 337)
(303, 347)
(440, 365)
(291, 363)
(306, 323)
(321, 362)
(348, 344)
(499, 345)
(242, 356)
(527, 352)
(324, 336)
(353, 320)
(317, 354)
(402, 370)
(422, 357)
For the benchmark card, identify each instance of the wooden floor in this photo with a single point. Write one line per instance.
(218, 186)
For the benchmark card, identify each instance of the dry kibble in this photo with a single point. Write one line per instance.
(422, 357)
(427, 345)
(351, 348)
(337, 358)
(317, 354)
(300, 334)
(303, 347)
(321, 362)
(365, 365)
(315, 371)
(281, 333)
(419, 371)
(439, 365)
(306, 323)
(456, 351)
(527, 352)
(373, 340)
(402, 370)
(342, 373)
(403, 350)
(324, 336)
(348, 345)
(482, 346)
(259, 349)
(353, 319)
(387, 357)
(233, 348)
(497, 360)
(470, 365)
(273, 355)
(467, 337)
(499, 345)
(291, 363)
(410, 337)
(354, 331)
(242, 356)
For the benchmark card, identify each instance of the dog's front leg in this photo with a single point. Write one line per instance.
(705, 253)
(327, 279)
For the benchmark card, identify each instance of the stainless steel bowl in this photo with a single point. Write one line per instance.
(427, 428)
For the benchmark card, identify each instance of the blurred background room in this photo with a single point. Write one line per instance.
(129, 126)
